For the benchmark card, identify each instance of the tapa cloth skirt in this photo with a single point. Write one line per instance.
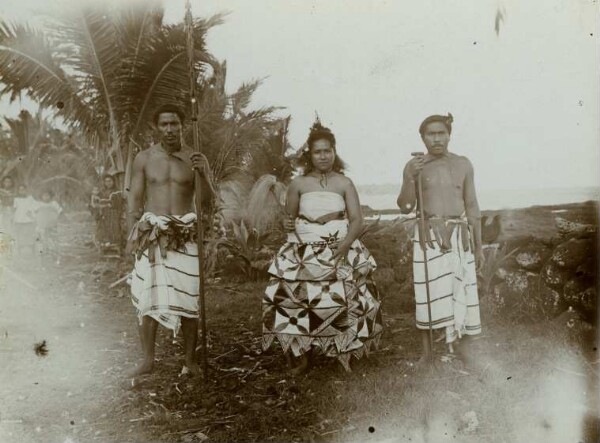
(309, 302)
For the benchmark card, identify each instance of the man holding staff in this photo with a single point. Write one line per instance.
(162, 222)
(447, 237)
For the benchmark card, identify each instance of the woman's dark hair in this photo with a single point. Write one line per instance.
(319, 132)
(168, 108)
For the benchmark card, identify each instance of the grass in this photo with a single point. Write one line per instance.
(529, 381)
(514, 391)
(526, 382)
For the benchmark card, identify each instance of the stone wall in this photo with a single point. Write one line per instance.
(544, 277)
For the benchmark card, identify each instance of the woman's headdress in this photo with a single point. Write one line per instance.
(319, 132)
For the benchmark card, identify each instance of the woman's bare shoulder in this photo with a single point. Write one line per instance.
(298, 182)
(344, 181)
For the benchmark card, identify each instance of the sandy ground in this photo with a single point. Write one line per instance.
(63, 395)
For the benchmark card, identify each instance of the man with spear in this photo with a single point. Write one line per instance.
(165, 204)
(447, 236)
(165, 286)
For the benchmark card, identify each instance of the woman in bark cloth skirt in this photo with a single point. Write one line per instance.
(321, 296)
(108, 210)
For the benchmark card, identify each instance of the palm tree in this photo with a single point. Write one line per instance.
(43, 157)
(247, 151)
(103, 71)
(30, 139)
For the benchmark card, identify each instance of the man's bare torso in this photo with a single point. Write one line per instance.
(168, 181)
(443, 184)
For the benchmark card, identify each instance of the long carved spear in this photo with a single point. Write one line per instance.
(423, 242)
(189, 28)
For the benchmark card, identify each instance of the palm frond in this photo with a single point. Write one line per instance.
(241, 99)
(28, 65)
(139, 22)
(204, 25)
(266, 203)
(98, 59)
(233, 196)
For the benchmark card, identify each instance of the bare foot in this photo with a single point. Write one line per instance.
(463, 353)
(298, 365)
(131, 383)
(144, 368)
(190, 369)
(425, 361)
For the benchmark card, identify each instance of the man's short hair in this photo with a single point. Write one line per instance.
(445, 119)
(168, 108)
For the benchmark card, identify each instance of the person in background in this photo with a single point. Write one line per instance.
(94, 200)
(24, 222)
(109, 206)
(7, 196)
(46, 218)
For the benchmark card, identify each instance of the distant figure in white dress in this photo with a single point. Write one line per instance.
(23, 221)
(46, 219)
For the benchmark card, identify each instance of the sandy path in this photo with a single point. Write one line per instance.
(66, 395)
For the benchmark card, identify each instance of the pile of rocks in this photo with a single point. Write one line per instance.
(547, 276)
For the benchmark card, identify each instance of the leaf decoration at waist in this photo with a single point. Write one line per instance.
(167, 232)
(443, 229)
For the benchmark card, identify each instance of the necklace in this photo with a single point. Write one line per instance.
(323, 179)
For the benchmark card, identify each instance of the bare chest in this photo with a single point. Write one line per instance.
(444, 174)
(163, 169)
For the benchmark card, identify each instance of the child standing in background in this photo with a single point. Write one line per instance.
(46, 218)
(24, 223)
(7, 197)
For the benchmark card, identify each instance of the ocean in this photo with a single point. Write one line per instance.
(381, 197)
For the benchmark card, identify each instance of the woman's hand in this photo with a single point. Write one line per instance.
(340, 252)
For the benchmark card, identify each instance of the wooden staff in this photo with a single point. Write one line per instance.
(423, 243)
(189, 24)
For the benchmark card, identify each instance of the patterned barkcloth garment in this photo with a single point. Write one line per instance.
(108, 227)
(164, 283)
(452, 278)
(309, 302)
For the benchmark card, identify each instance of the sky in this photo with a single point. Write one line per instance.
(525, 102)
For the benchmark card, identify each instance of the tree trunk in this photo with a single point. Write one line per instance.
(128, 165)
